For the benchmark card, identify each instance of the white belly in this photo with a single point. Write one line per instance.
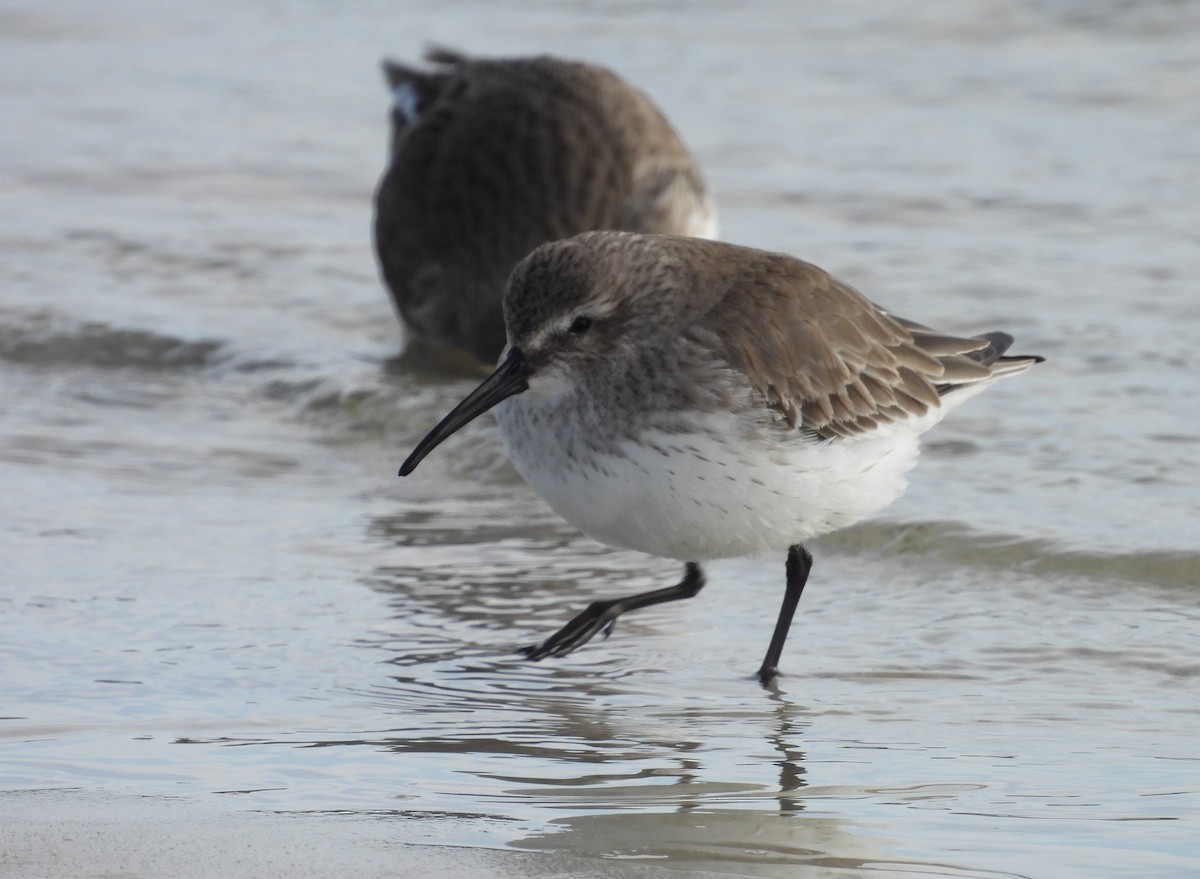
(708, 493)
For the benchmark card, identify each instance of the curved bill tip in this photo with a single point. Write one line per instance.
(511, 377)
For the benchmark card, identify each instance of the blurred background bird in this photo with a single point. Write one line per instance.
(490, 158)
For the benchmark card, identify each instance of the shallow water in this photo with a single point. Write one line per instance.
(217, 593)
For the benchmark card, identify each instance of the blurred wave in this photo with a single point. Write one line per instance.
(956, 543)
(397, 399)
(44, 340)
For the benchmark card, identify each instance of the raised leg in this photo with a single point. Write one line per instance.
(599, 616)
(799, 563)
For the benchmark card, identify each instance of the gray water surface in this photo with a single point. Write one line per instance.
(218, 598)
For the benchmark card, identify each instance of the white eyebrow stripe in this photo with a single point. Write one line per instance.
(536, 340)
(405, 98)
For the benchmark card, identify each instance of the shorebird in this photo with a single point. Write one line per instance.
(697, 400)
(490, 158)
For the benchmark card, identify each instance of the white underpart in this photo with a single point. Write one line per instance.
(703, 222)
(711, 492)
(406, 100)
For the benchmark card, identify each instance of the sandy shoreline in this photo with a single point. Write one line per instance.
(49, 834)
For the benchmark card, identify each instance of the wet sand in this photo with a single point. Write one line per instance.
(52, 834)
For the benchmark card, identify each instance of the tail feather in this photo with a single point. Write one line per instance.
(414, 90)
(985, 364)
(997, 344)
(1004, 366)
(443, 55)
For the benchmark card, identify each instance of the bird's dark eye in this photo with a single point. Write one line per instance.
(581, 325)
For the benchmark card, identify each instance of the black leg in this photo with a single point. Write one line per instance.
(799, 563)
(599, 616)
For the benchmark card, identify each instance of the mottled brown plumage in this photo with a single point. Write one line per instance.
(492, 157)
(813, 349)
(697, 400)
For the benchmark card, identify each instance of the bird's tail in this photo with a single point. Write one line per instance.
(991, 356)
(967, 362)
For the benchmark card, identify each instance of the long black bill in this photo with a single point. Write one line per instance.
(511, 377)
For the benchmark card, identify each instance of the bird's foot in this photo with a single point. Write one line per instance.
(597, 619)
(767, 675)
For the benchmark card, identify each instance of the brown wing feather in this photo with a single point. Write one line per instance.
(826, 358)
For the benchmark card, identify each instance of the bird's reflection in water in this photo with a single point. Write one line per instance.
(624, 750)
(784, 739)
